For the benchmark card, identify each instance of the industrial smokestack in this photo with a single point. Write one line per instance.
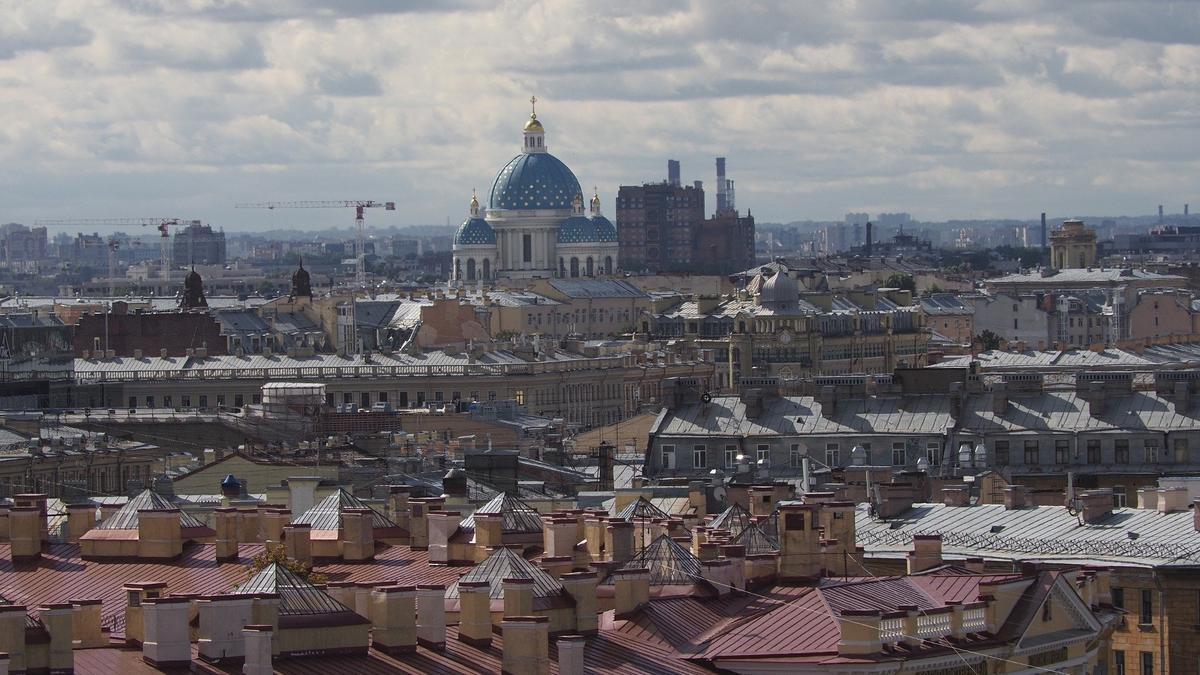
(673, 172)
(1160, 213)
(698, 184)
(867, 248)
(1043, 230)
(1185, 209)
(721, 205)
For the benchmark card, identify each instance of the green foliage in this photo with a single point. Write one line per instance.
(278, 556)
(904, 282)
(989, 340)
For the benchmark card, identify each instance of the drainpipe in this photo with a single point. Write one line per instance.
(1162, 622)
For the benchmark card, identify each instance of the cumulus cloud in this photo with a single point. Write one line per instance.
(944, 109)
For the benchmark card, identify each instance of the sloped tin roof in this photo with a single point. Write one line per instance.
(503, 564)
(516, 517)
(126, 517)
(327, 513)
(296, 596)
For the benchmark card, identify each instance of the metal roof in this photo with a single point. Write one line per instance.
(795, 415)
(296, 596)
(641, 509)
(503, 564)
(1082, 275)
(734, 519)
(327, 513)
(516, 517)
(1127, 537)
(756, 540)
(670, 564)
(597, 288)
(126, 517)
(1066, 411)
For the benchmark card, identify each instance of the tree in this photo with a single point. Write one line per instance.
(904, 282)
(279, 557)
(989, 340)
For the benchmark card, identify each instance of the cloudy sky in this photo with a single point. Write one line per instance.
(1003, 108)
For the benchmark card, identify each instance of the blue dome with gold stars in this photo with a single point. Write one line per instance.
(577, 230)
(534, 181)
(605, 230)
(474, 231)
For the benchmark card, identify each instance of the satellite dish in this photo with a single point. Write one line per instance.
(706, 397)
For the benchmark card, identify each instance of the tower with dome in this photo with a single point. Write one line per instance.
(535, 224)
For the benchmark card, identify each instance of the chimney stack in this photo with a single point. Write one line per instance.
(357, 534)
(56, 619)
(227, 533)
(475, 613)
(431, 616)
(558, 534)
(12, 637)
(581, 586)
(632, 591)
(571, 655)
(393, 615)
(302, 493)
(518, 597)
(618, 540)
(1097, 505)
(25, 538)
(221, 620)
(859, 632)
(926, 553)
(80, 519)
(160, 535)
(297, 539)
(799, 541)
(1016, 497)
(258, 638)
(526, 645)
(441, 526)
(86, 623)
(165, 642)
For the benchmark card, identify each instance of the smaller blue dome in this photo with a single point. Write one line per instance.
(473, 232)
(605, 230)
(577, 230)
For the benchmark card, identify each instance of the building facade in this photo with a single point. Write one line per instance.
(1073, 246)
(658, 224)
(198, 244)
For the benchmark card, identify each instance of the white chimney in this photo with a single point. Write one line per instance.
(165, 641)
(258, 639)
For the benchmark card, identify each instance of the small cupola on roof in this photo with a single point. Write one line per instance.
(535, 133)
(475, 231)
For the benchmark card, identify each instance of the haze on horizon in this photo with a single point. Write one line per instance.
(1003, 108)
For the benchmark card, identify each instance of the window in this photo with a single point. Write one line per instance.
(1147, 663)
(238, 399)
(731, 453)
(899, 456)
(1093, 451)
(220, 400)
(1032, 450)
(764, 455)
(168, 402)
(1062, 451)
(1120, 497)
(1118, 597)
(1121, 451)
(699, 456)
(933, 452)
(796, 456)
(833, 453)
(365, 400)
(1181, 451)
(1016, 324)
(132, 401)
(1150, 447)
(1118, 662)
(1146, 608)
(1001, 453)
(668, 456)
(256, 398)
(527, 247)
(149, 401)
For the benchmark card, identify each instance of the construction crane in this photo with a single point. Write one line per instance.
(161, 224)
(360, 270)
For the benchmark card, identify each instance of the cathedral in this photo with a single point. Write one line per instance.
(535, 224)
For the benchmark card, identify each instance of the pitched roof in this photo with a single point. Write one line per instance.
(503, 564)
(641, 508)
(670, 564)
(734, 519)
(296, 596)
(126, 517)
(756, 540)
(516, 517)
(327, 513)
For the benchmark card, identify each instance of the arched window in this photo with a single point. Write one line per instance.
(458, 270)
(591, 267)
(562, 267)
(574, 267)
(608, 267)
(487, 269)
(470, 269)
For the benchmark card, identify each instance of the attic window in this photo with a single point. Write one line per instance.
(996, 529)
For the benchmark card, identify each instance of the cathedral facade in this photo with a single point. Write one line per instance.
(535, 224)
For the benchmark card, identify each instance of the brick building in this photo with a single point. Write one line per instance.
(148, 333)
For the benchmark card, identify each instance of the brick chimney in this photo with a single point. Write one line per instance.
(631, 592)
(558, 536)
(489, 530)
(518, 597)
(859, 630)
(297, 539)
(618, 540)
(226, 521)
(475, 613)
(165, 641)
(418, 525)
(442, 525)
(259, 647)
(394, 619)
(86, 623)
(12, 636)
(799, 540)
(25, 532)
(431, 616)
(56, 619)
(273, 522)
(926, 553)
(80, 519)
(1015, 497)
(221, 620)
(1097, 505)
(571, 655)
(357, 535)
(581, 586)
(956, 495)
(136, 594)
(160, 536)
(526, 645)
(398, 508)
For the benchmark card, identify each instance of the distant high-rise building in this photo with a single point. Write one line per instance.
(22, 244)
(198, 244)
(673, 172)
(722, 205)
(893, 219)
(657, 223)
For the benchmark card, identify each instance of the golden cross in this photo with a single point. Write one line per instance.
(533, 105)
